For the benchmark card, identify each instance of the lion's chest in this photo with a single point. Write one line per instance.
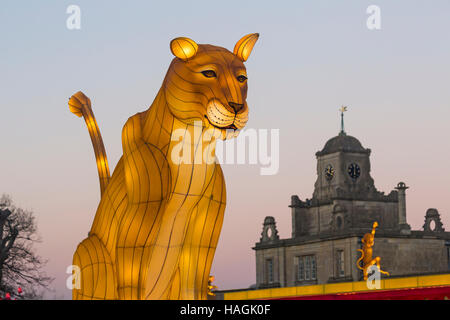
(169, 196)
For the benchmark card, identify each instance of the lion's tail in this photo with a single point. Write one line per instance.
(80, 105)
(359, 260)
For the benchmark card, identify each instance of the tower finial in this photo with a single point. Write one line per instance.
(342, 109)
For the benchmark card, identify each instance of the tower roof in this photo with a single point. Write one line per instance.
(343, 143)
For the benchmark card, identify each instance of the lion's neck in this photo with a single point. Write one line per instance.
(157, 122)
(170, 135)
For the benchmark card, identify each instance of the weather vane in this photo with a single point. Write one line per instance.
(342, 109)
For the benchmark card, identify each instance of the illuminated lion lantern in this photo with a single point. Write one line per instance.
(157, 226)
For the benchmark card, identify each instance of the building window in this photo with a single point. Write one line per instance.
(339, 222)
(269, 270)
(313, 268)
(301, 269)
(340, 263)
(306, 268)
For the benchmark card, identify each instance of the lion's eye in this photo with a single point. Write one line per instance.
(209, 74)
(241, 78)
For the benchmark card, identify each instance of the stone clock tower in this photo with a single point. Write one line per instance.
(343, 169)
(345, 196)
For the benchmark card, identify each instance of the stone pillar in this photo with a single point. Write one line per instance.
(403, 225)
(281, 267)
(294, 203)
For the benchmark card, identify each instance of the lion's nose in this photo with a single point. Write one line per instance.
(236, 106)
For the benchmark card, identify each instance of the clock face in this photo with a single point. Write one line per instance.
(354, 171)
(329, 172)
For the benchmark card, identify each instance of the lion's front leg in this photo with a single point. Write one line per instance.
(147, 180)
(163, 262)
(201, 241)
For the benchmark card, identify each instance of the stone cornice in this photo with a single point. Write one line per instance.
(359, 233)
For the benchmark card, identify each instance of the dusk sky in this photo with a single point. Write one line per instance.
(311, 58)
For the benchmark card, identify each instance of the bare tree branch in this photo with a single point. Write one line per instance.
(20, 266)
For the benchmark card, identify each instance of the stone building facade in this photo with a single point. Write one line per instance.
(327, 229)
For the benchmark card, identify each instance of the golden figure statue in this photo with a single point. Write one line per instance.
(211, 287)
(156, 228)
(366, 253)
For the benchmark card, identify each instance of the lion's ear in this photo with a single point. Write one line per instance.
(183, 48)
(244, 47)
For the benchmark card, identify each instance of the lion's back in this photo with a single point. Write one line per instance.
(111, 208)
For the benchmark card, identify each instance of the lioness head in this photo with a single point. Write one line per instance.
(209, 84)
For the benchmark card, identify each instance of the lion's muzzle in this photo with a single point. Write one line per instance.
(231, 116)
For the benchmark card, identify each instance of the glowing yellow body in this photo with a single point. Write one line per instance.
(158, 222)
(366, 253)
